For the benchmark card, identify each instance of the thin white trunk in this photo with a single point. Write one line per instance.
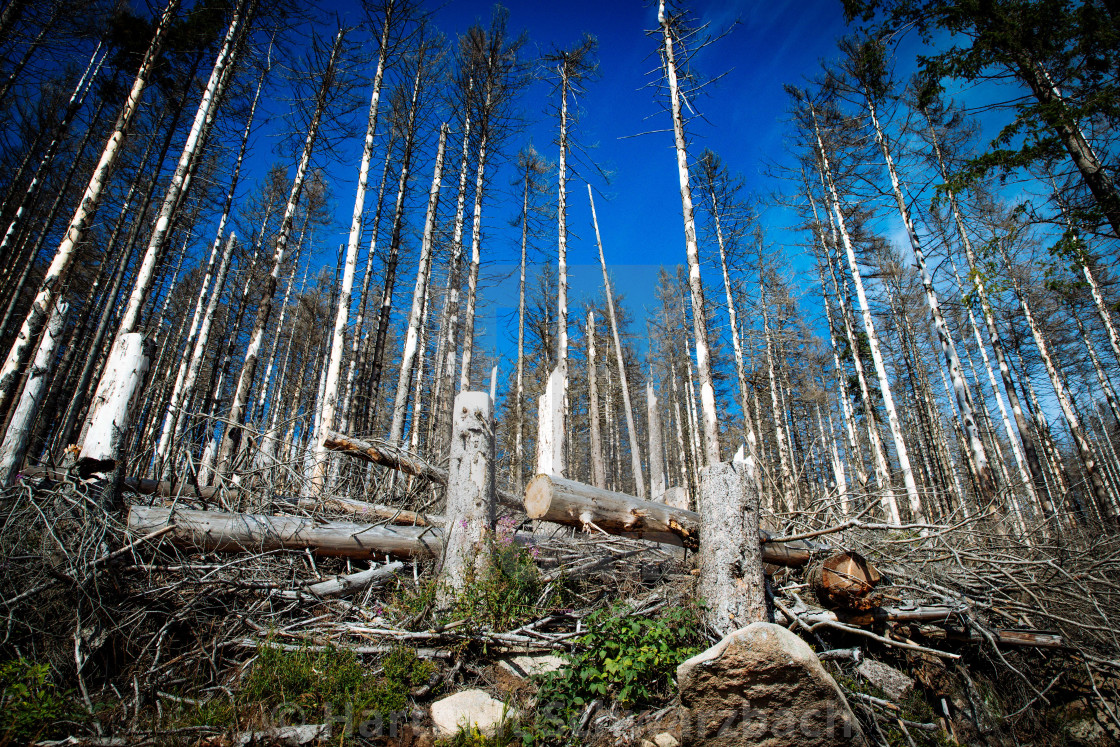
(472, 277)
(113, 404)
(598, 469)
(632, 432)
(876, 356)
(264, 311)
(562, 255)
(656, 450)
(18, 436)
(419, 293)
(179, 185)
(695, 284)
(548, 423)
(962, 395)
(53, 279)
(519, 436)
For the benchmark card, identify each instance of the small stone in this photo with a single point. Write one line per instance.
(469, 708)
(647, 743)
(894, 684)
(665, 739)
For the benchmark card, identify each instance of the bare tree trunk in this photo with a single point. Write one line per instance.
(598, 469)
(471, 498)
(264, 311)
(632, 432)
(1084, 449)
(962, 395)
(342, 316)
(876, 355)
(67, 249)
(472, 275)
(695, 284)
(390, 277)
(18, 435)
(179, 186)
(419, 293)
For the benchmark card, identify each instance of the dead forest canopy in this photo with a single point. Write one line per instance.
(212, 405)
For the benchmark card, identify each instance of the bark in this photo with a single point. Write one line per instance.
(631, 431)
(213, 531)
(476, 258)
(67, 250)
(113, 404)
(656, 450)
(695, 284)
(419, 294)
(586, 507)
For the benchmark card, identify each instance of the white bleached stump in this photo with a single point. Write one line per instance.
(471, 495)
(112, 405)
(731, 580)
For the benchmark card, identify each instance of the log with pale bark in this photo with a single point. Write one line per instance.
(576, 504)
(214, 531)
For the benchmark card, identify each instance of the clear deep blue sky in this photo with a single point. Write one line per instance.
(639, 211)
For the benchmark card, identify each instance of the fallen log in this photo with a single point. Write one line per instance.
(400, 460)
(575, 504)
(350, 584)
(845, 580)
(214, 531)
(360, 509)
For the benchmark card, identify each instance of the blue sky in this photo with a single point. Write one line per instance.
(743, 119)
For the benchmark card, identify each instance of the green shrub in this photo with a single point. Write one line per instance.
(329, 681)
(510, 590)
(627, 659)
(30, 704)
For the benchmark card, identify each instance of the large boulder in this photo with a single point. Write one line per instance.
(763, 686)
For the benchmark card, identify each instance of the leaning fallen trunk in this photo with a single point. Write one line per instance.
(575, 504)
(398, 459)
(214, 531)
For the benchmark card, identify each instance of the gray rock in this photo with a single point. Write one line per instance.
(894, 684)
(665, 739)
(763, 686)
(466, 709)
(529, 665)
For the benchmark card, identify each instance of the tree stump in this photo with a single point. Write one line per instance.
(731, 580)
(470, 494)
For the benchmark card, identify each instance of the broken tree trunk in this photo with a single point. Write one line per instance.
(575, 504)
(470, 494)
(128, 364)
(731, 580)
(213, 531)
(550, 423)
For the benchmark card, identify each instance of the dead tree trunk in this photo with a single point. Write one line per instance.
(470, 495)
(731, 581)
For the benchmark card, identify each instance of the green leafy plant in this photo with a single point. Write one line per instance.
(625, 658)
(321, 682)
(510, 590)
(30, 704)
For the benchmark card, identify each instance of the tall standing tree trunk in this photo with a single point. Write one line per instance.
(390, 277)
(978, 455)
(873, 343)
(264, 310)
(476, 259)
(342, 315)
(67, 250)
(419, 294)
(695, 284)
(632, 432)
(598, 469)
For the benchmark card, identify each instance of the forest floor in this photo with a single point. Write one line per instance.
(111, 638)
